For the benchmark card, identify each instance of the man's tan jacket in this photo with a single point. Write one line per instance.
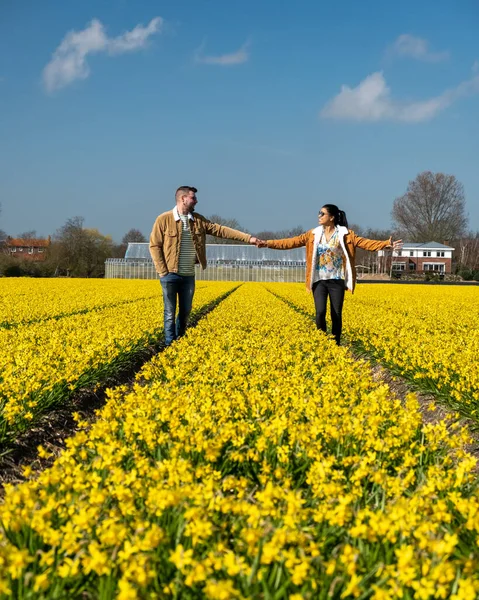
(165, 239)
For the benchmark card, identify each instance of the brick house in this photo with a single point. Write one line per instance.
(29, 249)
(419, 258)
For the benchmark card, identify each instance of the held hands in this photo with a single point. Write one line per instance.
(257, 242)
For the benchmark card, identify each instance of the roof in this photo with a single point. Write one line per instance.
(27, 243)
(236, 252)
(428, 245)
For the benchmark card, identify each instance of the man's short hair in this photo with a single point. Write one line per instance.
(184, 191)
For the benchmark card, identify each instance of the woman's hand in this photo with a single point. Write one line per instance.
(396, 245)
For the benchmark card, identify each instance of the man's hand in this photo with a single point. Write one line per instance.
(257, 242)
(396, 245)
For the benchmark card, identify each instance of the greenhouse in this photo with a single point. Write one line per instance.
(226, 262)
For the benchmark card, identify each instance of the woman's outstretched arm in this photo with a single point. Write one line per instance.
(374, 245)
(287, 243)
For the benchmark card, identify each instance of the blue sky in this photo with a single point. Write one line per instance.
(269, 108)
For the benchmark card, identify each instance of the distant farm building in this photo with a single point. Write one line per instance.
(27, 248)
(226, 262)
(420, 258)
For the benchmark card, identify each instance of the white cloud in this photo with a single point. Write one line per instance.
(224, 60)
(69, 62)
(136, 38)
(371, 100)
(410, 46)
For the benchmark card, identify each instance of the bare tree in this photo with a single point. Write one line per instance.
(376, 234)
(28, 235)
(80, 252)
(278, 235)
(232, 223)
(432, 209)
(133, 235)
(96, 250)
(358, 230)
(370, 260)
(3, 235)
(293, 232)
(467, 251)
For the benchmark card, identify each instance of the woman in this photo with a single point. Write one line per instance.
(330, 268)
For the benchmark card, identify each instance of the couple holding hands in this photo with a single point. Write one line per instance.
(178, 242)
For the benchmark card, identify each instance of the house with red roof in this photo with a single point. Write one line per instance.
(33, 249)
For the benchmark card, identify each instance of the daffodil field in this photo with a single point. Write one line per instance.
(254, 458)
(58, 337)
(427, 334)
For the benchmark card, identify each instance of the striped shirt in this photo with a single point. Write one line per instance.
(186, 265)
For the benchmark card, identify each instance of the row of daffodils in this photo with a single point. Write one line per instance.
(26, 300)
(429, 334)
(90, 334)
(252, 459)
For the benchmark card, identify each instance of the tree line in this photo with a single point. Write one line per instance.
(433, 209)
(74, 251)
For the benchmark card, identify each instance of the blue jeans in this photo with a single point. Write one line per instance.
(175, 287)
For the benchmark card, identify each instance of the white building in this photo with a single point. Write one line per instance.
(417, 257)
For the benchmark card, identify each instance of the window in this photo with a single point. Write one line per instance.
(399, 252)
(438, 267)
(426, 253)
(30, 251)
(399, 266)
(439, 253)
(411, 253)
(412, 266)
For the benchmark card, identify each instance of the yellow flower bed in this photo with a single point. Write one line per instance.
(253, 459)
(24, 300)
(429, 334)
(43, 362)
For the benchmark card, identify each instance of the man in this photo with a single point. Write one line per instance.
(177, 242)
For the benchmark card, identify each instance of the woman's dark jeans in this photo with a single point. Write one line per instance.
(181, 287)
(334, 288)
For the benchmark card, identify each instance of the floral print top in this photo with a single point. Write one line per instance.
(330, 262)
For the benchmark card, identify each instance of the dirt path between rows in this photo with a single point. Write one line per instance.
(432, 410)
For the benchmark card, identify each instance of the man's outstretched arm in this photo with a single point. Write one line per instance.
(227, 233)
